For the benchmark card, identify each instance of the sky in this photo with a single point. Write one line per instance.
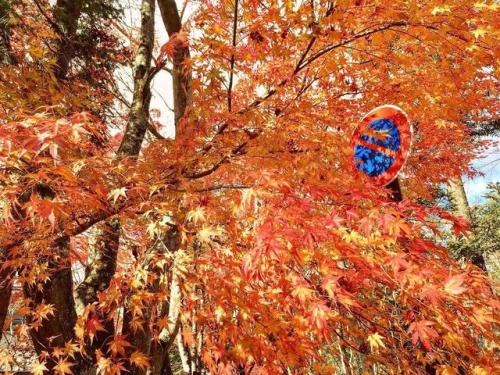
(489, 165)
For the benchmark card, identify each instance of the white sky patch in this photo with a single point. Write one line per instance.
(489, 165)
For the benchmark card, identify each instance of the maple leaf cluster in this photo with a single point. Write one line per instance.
(250, 240)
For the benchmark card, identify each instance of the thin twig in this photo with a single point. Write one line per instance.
(231, 71)
(324, 51)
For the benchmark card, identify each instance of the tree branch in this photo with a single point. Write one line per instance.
(181, 76)
(345, 42)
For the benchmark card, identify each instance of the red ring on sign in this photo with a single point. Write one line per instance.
(366, 137)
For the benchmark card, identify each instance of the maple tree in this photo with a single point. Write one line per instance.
(249, 243)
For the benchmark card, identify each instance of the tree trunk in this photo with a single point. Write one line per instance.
(66, 14)
(57, 291)
(139, 112)
(6, 58)
(181, 75)
(159, 352)
(459, 198)
(5, 293)
(98, 276)
(461, 207)
(101, 270)
(102, 265)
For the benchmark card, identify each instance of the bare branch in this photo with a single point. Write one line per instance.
(330, 48)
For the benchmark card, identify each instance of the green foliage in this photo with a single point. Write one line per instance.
(487, 128)
(97, 48)
(486, 229)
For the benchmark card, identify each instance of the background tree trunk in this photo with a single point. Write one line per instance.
(5, 293)
(6, 56)
(57, 291)
(139, 111)
(101, 270)
(461, 207)
(181, 76)
(5, 59)
(66, 14)
(459, 198)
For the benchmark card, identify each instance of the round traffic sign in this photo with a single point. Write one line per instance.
(381, 143)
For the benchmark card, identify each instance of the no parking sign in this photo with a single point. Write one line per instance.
(382, 143)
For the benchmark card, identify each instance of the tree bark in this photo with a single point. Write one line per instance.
(66, 14)
(159, 353)
(98, 275)
(461, 207)
(102, 268)
(5, 293)
(459, 198)
(181, 75)
(6, 58)
(139, 111)
(103, 265)
(57, 291)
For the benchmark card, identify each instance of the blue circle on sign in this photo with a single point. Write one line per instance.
(374, 162)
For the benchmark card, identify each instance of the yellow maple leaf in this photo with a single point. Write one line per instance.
(103, 365)
(117, 193)
(479, 33)
(472, 48)
(205, 235)
(21, 330)
(63, 367)
(139, 360)
(441, 10)
(493, 6)
(39, 368)
(196, 215)
(454, 285)
(441, 124)
(43, 311)
(302, 292)
(478, 370)
(446, 370)
(5, 358)
(219, 313)
(375, 341)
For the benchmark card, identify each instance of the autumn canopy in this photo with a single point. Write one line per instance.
(248, 243)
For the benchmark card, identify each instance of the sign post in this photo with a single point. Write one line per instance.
(381, 144)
